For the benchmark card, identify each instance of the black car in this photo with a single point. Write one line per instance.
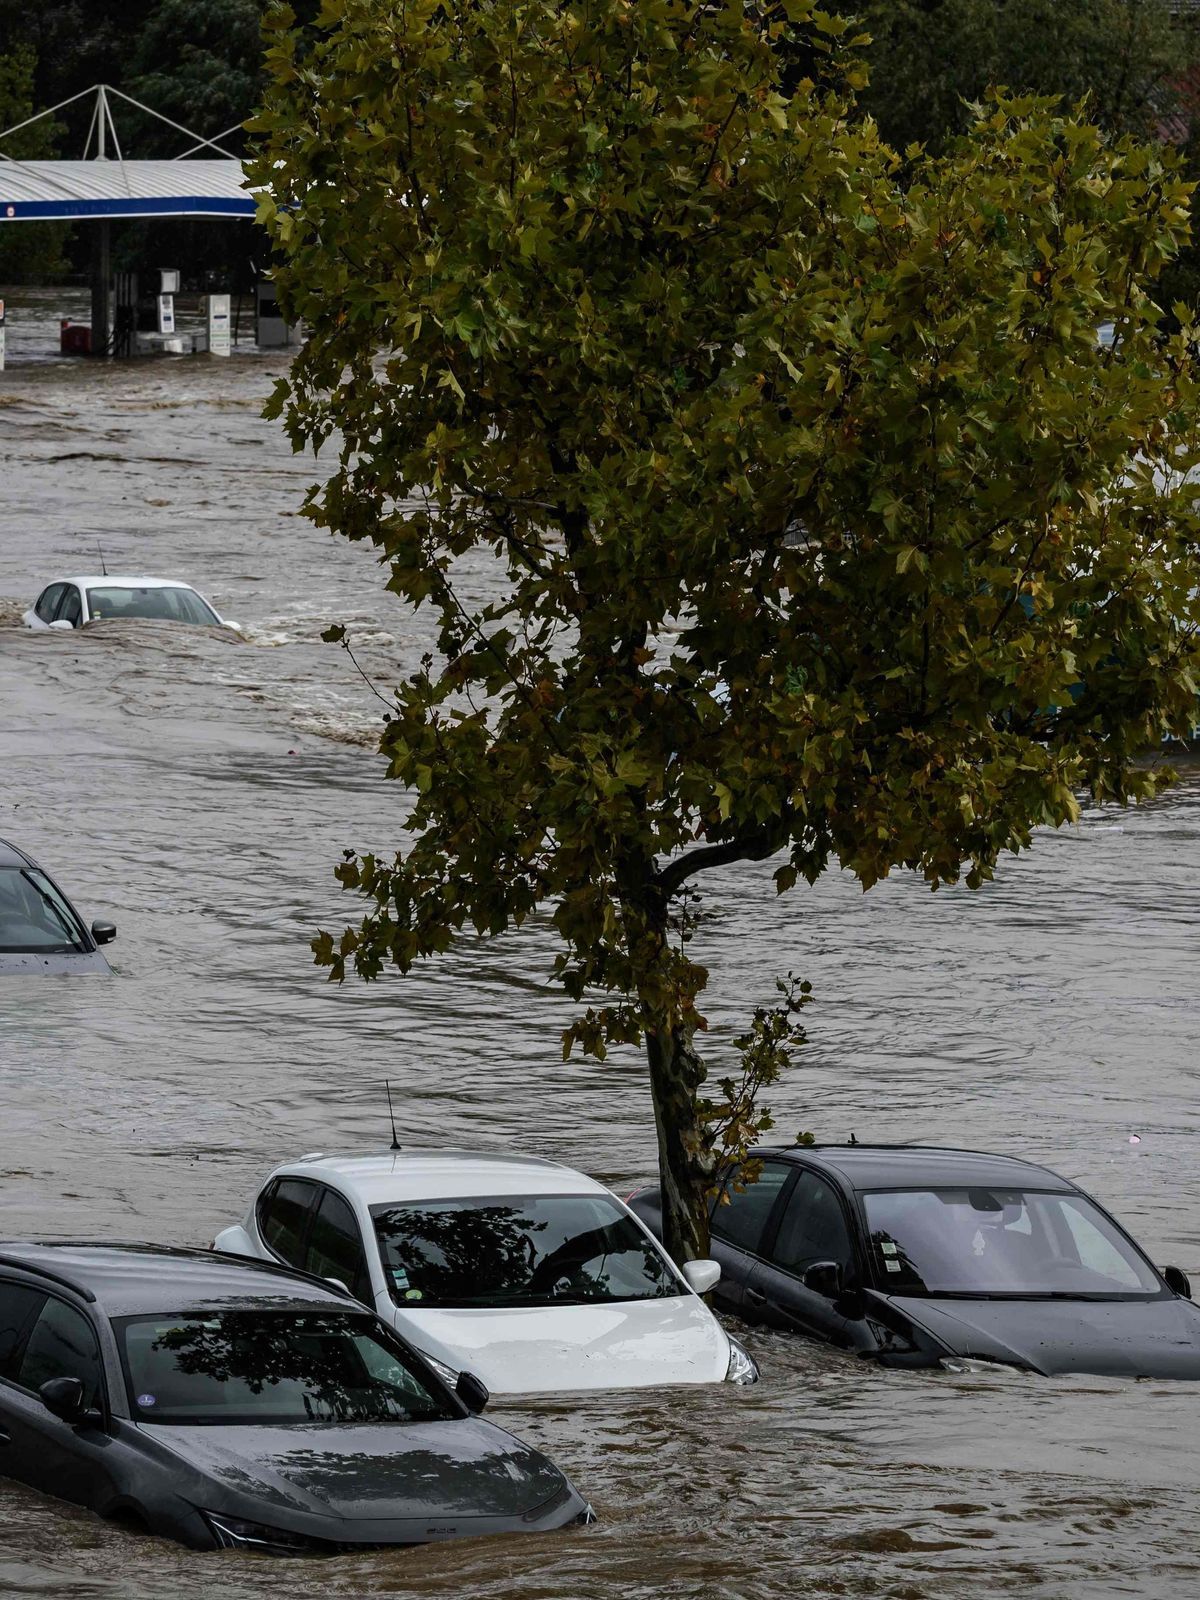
(230, 1403)
(914, 1255)
(40, 930)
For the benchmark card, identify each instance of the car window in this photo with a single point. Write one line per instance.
(335, 1247)
(48, 601)
(19, 1305)
(742, 1220)
(277, 1368)
(518, 1250)
(61, 1345)
(812, 1228)
(34, 916)
(70, 607)
(170, 604)
(287, 1218)
(1000, 1242)
(1098, 1252)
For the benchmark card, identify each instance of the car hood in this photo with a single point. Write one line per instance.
(538, 1349)
(1118, 1338)
(460, 1468)
(27, 963)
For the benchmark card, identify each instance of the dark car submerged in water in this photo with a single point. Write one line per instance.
(40, 930)
(915, 1256)
(227, 1403)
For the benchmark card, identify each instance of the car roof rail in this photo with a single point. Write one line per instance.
(38, 1271)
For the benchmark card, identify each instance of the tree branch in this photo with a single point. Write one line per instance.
(754, 846)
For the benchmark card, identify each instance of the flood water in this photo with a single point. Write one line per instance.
(198, 790)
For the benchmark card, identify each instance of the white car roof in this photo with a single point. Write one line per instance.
(120, 580)
(441, 1175)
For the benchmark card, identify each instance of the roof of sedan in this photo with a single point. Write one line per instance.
(125, 1279)
(883, 1166)
(442, 1175)
(120, 580)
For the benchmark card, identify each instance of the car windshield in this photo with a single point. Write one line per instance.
(177, 604)
(269, 1368)
(983, 1242)
(545, 1250)
(34, 917)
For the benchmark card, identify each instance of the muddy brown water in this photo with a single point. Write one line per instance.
(198, 790)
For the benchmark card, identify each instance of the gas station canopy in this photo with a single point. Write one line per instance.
(66, 191)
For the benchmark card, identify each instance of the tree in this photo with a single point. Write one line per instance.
(766, 505)
(28, 250)
(201, 65)
(931, 59)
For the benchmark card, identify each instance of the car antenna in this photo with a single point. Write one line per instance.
(100, 553)
(391, 1115)
(853, 1140)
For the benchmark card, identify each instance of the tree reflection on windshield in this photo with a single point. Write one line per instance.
(542, 1250)
(272, 1367)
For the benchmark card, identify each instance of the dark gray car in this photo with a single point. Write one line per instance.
(230, 1403)
(915, 1256)
(40, 930)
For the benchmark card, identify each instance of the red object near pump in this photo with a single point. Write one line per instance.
(74, 338)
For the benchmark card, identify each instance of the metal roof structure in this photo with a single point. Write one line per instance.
(105, 186)
(68, 191)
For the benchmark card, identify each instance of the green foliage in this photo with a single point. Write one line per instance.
(30, 250)
(199, 62)
(815, 521)
(931, 59)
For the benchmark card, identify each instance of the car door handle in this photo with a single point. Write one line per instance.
(754, 1297)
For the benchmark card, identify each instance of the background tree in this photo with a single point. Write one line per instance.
(34, 250)
(931, 59)
(815, 521)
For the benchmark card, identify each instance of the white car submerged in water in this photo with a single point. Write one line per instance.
(72, 602)
(524, 1272)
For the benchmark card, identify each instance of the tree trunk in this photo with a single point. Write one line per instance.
(676, 1074)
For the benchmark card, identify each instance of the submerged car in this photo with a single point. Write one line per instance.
(534, 1276)
(917, 1256)
(73, 602)
(232, 1404)
(40, 930)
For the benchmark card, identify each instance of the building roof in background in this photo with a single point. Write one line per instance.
(64, 191)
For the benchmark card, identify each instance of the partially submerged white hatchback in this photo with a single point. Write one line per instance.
(72, 602)
(524, 1272)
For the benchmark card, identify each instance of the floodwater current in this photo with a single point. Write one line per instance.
(198, 790)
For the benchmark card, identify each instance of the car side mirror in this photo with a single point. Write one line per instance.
(104, 932)
(824, 1278)
(472, 1392)
(62, 625)
(1175, 1278)
(702, 1275)
(230, 623)
(63, 1397)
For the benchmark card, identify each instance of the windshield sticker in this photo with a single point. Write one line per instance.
(889, 1247)
(892, 1266)
(146, 1400)
(400, 1277)
(413, 1294)
(978, 1243)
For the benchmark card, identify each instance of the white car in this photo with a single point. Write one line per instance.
(524, 1272)
(70, 602)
